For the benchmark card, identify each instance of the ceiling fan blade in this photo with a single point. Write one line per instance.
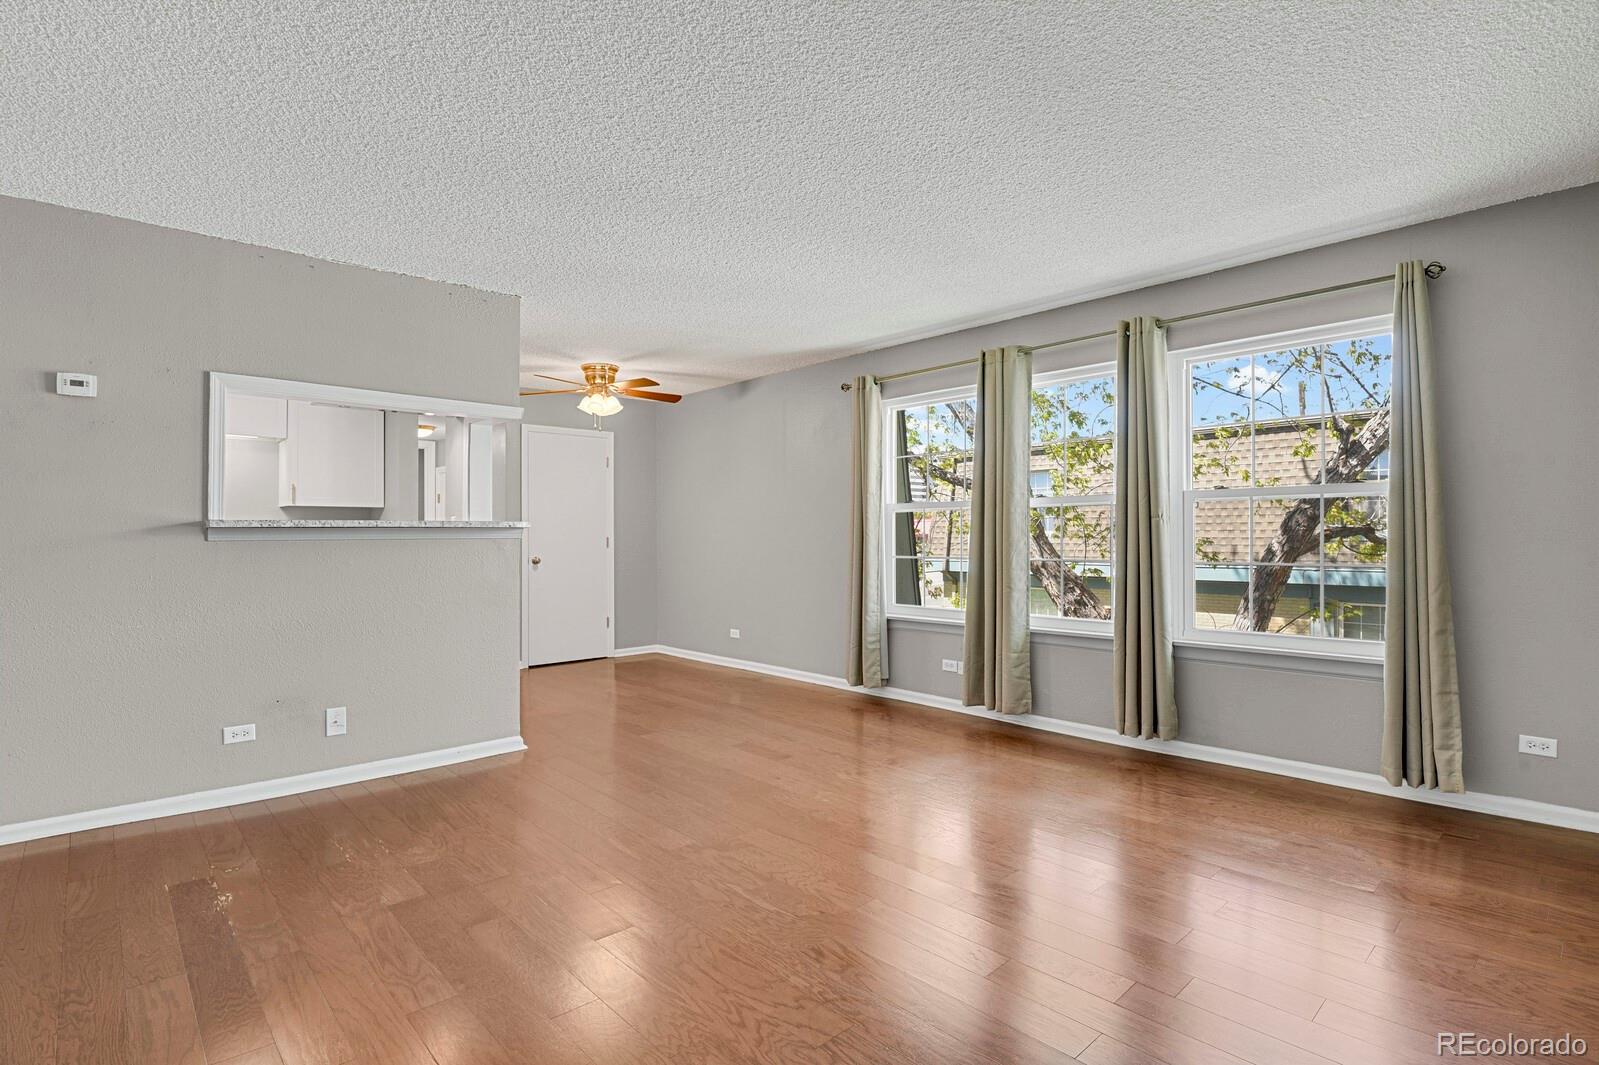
(553, 392)
(563, 380)
(664, 397)
(638, 382)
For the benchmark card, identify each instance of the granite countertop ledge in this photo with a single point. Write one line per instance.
(353, 523)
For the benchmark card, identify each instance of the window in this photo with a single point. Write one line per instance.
(929, 468)
(1072, 482)
(1073, 479)
(1281, 485)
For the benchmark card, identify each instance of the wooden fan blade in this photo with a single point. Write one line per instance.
(563, 380)
(664, 397)
(638, 382)
(553, 391)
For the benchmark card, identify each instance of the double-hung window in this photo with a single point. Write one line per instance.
(1280, 488)
(1072, 477)
(1072, 488)
(928, 467)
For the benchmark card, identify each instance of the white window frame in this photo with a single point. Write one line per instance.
(891, 508)
(1080, 626)
(1181, 496)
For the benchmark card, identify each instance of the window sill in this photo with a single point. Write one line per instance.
(1322, 663)
(1316, 663)
(956, 622)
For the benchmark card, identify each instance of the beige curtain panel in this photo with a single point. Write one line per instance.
(1145, 700)
(868, 629)
(999, 667)
(1421, 694)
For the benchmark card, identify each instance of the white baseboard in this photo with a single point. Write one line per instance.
(1499, 805)
(254, 792)
(643, 649)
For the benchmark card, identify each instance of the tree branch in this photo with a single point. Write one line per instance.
(1297, 534)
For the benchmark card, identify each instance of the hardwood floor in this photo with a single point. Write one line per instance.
(697, 865)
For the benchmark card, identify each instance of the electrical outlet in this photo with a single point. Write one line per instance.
(954, 665)
(733, 633)
(77, 384)
(238, 733)
(1542, 746)
(337, 726)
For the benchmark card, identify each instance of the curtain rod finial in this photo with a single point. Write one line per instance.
(1434, 269)
(844, 387)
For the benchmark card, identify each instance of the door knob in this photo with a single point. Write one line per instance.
(535, 560)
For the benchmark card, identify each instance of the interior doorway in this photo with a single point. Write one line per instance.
(568, 585)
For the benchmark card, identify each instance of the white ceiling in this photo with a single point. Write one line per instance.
(712, 191)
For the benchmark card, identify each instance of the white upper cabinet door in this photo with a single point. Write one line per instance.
(260, 416)
(332, 457)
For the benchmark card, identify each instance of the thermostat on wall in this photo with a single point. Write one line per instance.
(77, 384)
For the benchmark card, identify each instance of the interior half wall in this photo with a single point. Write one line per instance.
(127, 640)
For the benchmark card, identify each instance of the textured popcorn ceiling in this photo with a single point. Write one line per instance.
(712, 191)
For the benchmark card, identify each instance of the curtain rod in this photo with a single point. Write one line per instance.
(846, 386)
(1433, 270)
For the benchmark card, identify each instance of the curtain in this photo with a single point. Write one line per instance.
(868, 630)
(1421, 694)
(1145, 700)
(999, 669)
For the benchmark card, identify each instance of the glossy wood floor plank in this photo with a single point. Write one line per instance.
(696, 865)
(226, 1002)
(31, 955)
(91, 1023)
(160, 1027)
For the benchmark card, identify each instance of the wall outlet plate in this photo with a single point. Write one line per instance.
(238, 733)
(337, 723)
(69, 383)
(733, 633)
(954, 665)
(1542, 746)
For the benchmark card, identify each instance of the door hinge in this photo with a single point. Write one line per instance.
(607, 622)
(607, 541)
(607, 462)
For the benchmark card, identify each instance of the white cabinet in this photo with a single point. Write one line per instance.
(331, 457)
(260, 416)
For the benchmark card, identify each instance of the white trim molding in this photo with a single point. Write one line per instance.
(432, 406)
(215, 798)
(1475, 802)
(332, 529)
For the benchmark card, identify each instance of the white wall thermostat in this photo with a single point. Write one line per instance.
(77, 384)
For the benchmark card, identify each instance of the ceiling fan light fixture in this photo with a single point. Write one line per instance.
(601, 405)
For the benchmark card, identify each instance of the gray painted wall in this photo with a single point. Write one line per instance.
(753, 519)
(633, 454)
(126, 639)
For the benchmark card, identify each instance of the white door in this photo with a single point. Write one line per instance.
(569, 588)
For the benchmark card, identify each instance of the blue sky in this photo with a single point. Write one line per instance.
(1284, 386)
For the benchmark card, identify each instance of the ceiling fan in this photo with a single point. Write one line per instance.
(600, 389)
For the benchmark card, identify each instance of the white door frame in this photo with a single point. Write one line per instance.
(428, 449)
(610, 534)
